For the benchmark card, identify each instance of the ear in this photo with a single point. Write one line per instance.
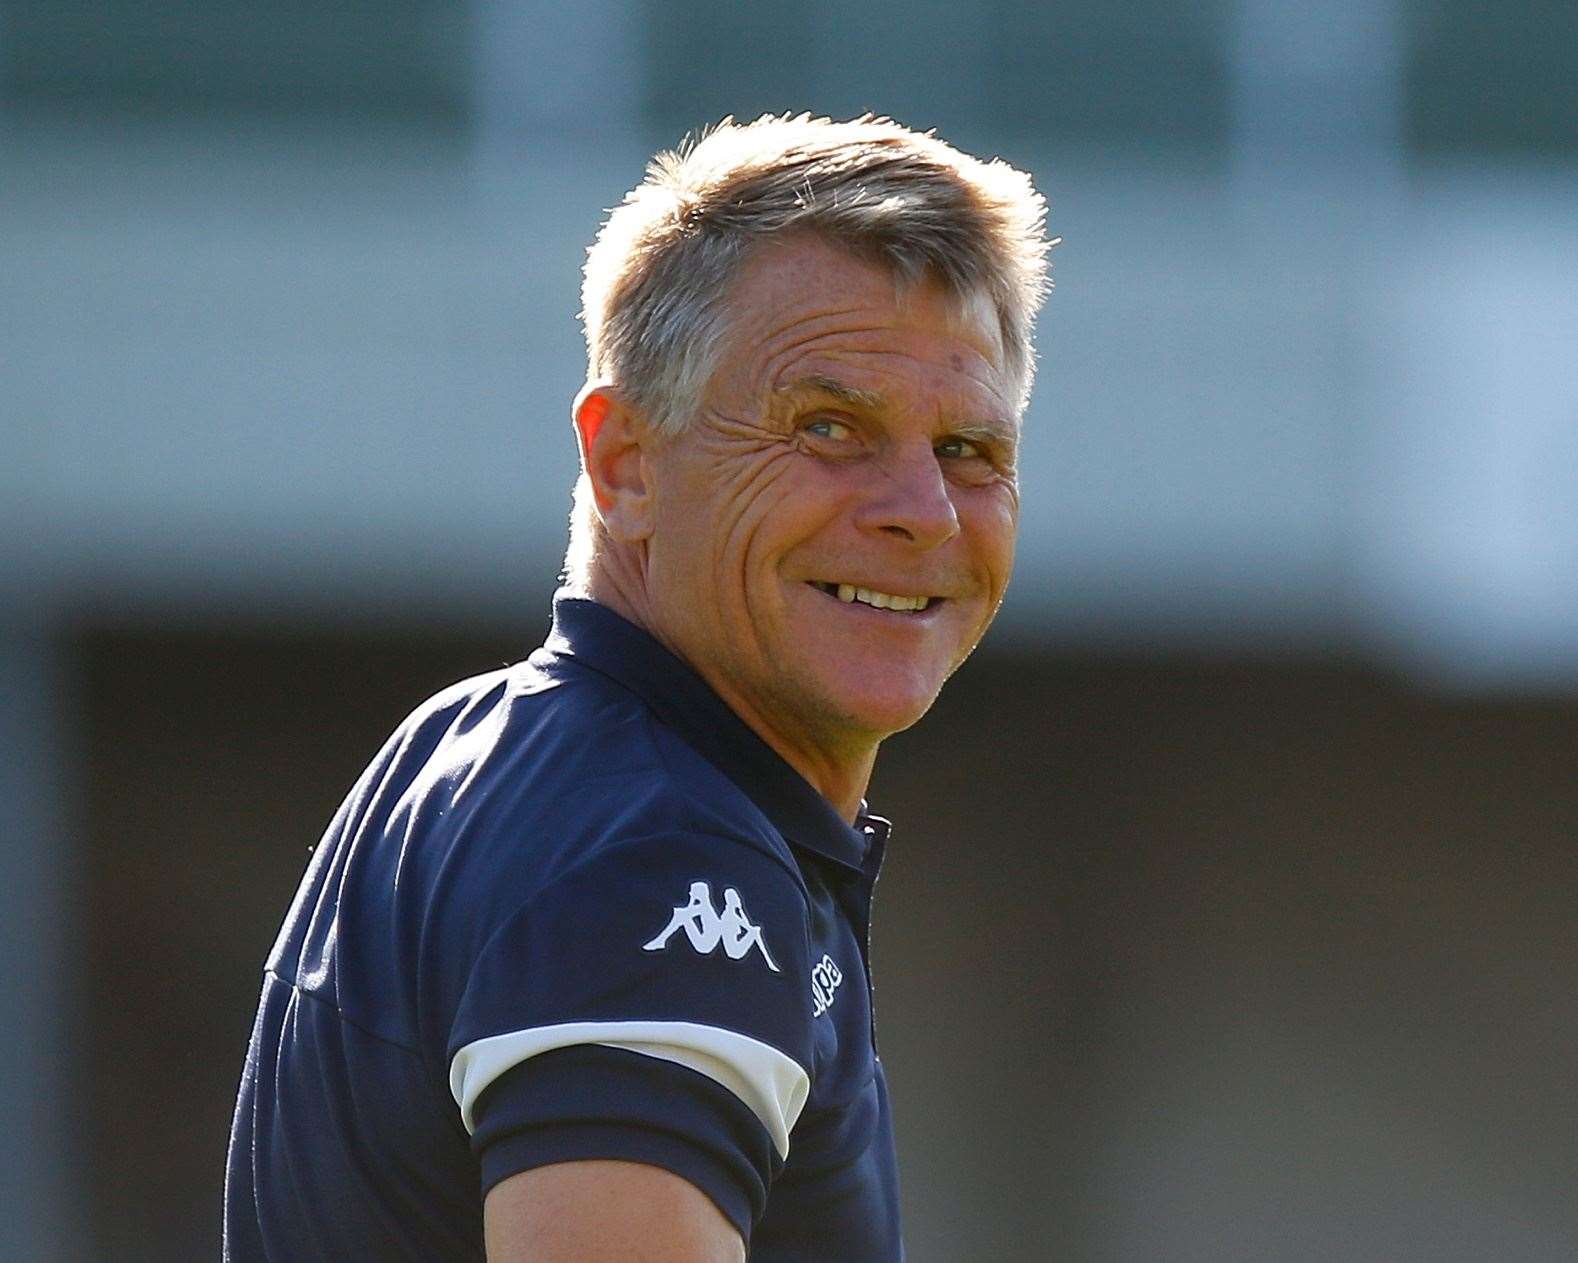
(614, 442)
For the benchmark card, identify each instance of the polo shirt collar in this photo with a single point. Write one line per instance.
(610, 644)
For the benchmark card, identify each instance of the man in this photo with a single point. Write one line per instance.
(579, 970)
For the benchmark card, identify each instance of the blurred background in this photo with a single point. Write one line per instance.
(1229, 912)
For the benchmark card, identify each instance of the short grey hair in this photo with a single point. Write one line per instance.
(658, 276)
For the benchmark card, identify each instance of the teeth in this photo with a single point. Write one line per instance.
(847, 592)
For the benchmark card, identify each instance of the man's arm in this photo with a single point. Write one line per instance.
(572, 1212)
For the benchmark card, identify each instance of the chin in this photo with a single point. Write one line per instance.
(877, 707)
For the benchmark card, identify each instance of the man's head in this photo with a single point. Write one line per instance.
(809, 348)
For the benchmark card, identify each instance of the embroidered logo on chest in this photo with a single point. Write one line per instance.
(825, 977)
(708, 929)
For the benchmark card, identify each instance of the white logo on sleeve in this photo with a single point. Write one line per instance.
(707, 928)
(825, 978)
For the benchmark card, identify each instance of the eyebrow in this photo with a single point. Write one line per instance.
(819, 384)
(989, 430)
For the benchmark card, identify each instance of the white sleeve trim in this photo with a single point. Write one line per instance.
(771, 1083)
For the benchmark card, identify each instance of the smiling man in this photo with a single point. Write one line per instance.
(579, 970)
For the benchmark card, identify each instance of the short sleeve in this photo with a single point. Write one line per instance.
(650, 1004)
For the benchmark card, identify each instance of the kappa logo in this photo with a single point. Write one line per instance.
(706, 928)
(825, 977)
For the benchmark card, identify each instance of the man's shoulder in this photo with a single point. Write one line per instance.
(518, 788)
(543, 765)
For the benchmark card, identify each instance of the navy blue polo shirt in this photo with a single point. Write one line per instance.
(574, 909)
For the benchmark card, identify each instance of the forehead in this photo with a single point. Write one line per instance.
(801, 308)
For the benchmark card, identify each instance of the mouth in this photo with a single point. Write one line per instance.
(891, 602)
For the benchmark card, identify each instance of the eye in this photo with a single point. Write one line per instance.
(959, 449)
(829, 428)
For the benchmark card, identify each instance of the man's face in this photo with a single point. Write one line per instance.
(848, 443)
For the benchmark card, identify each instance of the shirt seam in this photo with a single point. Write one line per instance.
(340, 1013)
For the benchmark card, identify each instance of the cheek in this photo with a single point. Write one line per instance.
(991, 518)
(785, 503)
(731, 520)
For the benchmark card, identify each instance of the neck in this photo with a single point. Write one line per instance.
(840, 776)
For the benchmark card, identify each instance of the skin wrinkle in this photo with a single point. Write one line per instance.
(781, 356)
(753, 509)
(981, 372)
(880, 361)
(781, 350)
(962, 318)
(716, 426)
(745, 529)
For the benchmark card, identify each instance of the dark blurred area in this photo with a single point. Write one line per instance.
(1227, 915)
(1175, 958)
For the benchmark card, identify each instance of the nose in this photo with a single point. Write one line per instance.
(911, 499)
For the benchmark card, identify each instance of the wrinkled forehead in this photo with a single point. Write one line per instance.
(796, 287)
